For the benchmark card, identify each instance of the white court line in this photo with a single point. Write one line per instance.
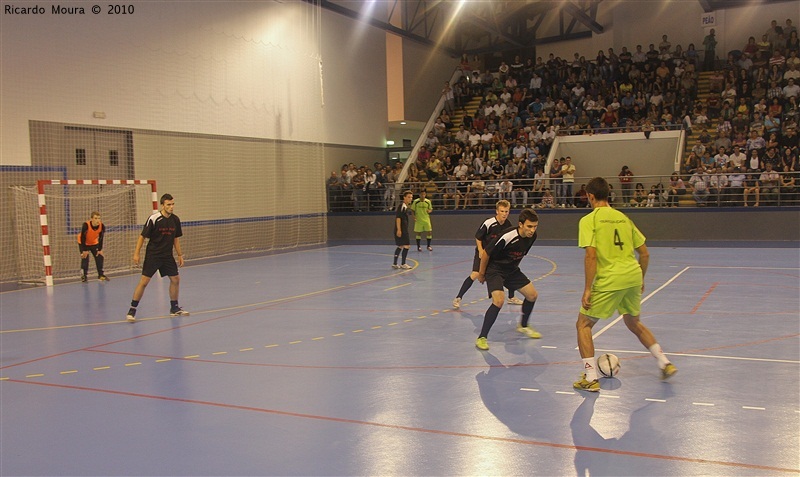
(529, 389)
(600, 332)
(737, 358)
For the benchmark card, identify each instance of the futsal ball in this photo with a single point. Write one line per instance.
(608, 365)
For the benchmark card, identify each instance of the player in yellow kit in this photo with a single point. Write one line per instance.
(422, 208)
(614, 280)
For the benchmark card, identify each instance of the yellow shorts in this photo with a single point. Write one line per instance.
(604, 303)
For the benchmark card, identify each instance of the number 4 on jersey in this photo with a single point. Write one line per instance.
(619, 243)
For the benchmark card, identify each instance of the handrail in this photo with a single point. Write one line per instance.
(346, 199)
(412, 157)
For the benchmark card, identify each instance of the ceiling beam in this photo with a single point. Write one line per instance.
(582, 17)
(472, 18)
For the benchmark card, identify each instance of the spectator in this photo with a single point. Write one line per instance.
(709, 47)
(699, 184)
(675, 190)
(735, 189)
(751, 187)
(769, 183)
(626, 184)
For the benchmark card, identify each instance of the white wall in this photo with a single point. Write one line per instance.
(247, 69)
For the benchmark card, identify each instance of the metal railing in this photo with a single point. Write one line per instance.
(655, 192)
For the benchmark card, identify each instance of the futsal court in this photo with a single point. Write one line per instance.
(328, 362)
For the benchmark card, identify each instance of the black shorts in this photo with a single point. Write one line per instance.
(476, 262)
(166, 266)
(402, 240)
(92, 249)
(496, 279)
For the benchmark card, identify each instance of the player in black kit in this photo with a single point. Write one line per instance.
(401, 237)
(489, 231)
(162, 231)
(500, 268)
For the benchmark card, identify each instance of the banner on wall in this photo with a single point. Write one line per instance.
(708, 19)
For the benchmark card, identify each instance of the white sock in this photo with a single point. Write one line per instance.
(590, 368)
(658, 354)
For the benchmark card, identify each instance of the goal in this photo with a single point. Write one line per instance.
(49, 218)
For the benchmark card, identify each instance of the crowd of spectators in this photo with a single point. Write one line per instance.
(500, 151)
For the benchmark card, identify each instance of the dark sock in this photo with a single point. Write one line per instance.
(429, 241)
(173, 303)
(396, 254)
(465, 286)
(527, 308)
(418, 240)
(405, 254)
(134, 303)
(510, 293)
(488, 320)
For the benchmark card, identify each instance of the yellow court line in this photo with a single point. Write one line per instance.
(434, 313)
(398, 286)
(218, 310)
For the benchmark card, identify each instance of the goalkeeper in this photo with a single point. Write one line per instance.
(90, 240)
(422, 208)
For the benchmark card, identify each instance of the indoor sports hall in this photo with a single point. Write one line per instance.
(285, 133)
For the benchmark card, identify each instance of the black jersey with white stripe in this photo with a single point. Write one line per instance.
(508, 250)
(490, 230)
(402, 212)
(161, 232)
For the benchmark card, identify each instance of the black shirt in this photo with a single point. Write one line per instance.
(402, 213)
(161, 232)
(490, 230)
(509, 250)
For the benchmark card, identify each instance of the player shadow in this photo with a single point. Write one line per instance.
(597, 455)
(499, 388)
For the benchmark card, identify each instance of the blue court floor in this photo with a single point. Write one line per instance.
(329, 362)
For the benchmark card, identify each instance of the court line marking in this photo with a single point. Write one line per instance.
(644, 300)
(712, 356)
(703, 298)
(398, 286)
(230, 308)
(675, 277)
(526, 442)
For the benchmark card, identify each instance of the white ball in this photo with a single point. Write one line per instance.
(608, 365)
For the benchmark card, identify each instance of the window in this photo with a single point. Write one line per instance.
(80, 157)
(113, 158)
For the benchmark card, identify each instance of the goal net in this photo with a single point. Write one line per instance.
(223, 108)
(49, 217)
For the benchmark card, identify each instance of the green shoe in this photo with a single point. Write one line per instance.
(529, 331)
(668, 371)
(481, 344)
(585, 385)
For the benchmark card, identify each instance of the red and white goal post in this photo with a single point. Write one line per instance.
(122, 206)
